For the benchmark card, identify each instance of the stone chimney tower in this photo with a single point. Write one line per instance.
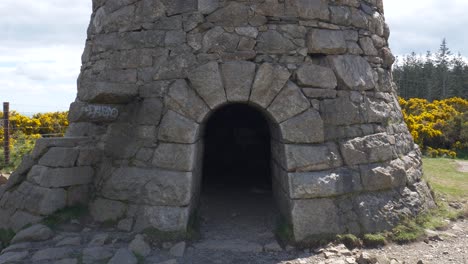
(155, 71)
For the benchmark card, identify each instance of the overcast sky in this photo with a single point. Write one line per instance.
(42, 41)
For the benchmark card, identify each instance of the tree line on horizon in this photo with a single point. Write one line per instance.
(433, 76)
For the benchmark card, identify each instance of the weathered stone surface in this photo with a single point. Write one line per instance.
(273, 42)
(367, 46)
(96, 254)
(353, 72)
(20, 173)
(43, 144)
(238, 77)
(178, 129)
(308, 9)
(107, 210)
(180, 157)
(39, 200)
(51, 254)
(162, 218)
(340, 111)
(233, 15)
(69, 241)
(207, 6)
(372, 148)
(289, 102)
(150, 111)
(269, 81)
(106, 92)
(316, 76)
(34, 233)
(311, 157)
(139, 246)
(315, 93)
(183, 99)
(383, 176)
(178, 249)
(308, 185)
(99, 240)
(323, 41)
(149, 186)
(123, 256)
(322, 212)
(13, 257)
(206, 80)
(21, 219)
(60, 177)
(304, 128)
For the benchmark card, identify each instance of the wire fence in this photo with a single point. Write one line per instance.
(18, 138)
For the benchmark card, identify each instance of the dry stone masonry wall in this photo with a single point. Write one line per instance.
(154, 70)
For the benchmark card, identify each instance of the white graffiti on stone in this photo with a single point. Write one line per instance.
(101, 112)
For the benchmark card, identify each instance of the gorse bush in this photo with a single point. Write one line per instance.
(24, 131)
(439, 127)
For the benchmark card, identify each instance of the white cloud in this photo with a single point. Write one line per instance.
(420, 25)
(40, 52)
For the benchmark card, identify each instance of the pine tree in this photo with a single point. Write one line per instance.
(442, 62)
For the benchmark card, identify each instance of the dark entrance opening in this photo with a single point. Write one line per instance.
(237, 199)
(237, 149)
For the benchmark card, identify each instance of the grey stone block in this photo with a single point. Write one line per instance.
(107, 210)
(238, 78)
(272, 42)
(183, 99)
(180, 157)
(303, 128)
(302, 158)
(176, 128)
(323, 41)
(324, 215)
(289, 102)
(60, 177)
(269, 81)
(353, 72)
(60, 157)
(308, 185)
(149, 186)
(206, 80)
(316, 76)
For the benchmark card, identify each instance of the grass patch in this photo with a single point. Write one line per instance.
(140, 258)
(349, 240)
(374, 240)
(6, 235)
(407, 231)
(284, 232)
(445, 179)
(65, 215)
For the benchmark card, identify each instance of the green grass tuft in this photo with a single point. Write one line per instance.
(65, 215)
(349, 240)
(374, 240)
(284, 232)
(6, 235)
(407, 231)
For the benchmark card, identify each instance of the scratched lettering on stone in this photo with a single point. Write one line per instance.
(101, 112)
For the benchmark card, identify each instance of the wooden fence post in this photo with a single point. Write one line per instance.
(6, 131)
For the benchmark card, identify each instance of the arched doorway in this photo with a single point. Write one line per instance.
(237, 199)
